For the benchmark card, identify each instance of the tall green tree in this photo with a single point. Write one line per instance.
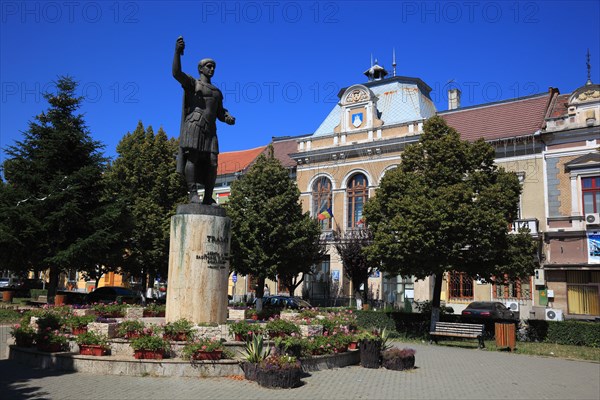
(143, 177)
(447, 207)
(271, 236)
(351, 246)
(52, 203)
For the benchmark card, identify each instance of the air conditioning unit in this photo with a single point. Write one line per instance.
(592, 219)
(538, 278)
(512, 305)
(553, 314)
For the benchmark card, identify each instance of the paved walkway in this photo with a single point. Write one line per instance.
(442, 373)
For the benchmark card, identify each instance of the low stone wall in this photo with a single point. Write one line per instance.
(111, 365)
(122, 348)
(121, 364)
(318, 363)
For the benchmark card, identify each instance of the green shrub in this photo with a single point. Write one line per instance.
(9, 315)
(577, 333)
(35, 293)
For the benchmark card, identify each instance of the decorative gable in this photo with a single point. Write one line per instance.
(358, 110)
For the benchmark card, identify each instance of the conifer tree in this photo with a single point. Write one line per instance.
(52, 210)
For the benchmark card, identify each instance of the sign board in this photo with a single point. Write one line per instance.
(234, 277)
(335, 275)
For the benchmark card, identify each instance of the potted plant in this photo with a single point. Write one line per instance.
(155, 310)
(49, 320)
(203, 349)
(130, 329)
(370, 350)
(150, 346)
(110, 310)
(24, 335)
(256, 352)
(48, 340)
(398, 359)
(78, 324)
(279, 371)
(277, 327)
(294, 346)
(251, 313)
(243, 331)
(92, 344)
(340, 342)
(180, 330)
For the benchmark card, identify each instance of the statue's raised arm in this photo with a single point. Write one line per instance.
(179, 48)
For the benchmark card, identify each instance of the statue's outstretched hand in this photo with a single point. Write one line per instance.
(180, 45)
(229, 120)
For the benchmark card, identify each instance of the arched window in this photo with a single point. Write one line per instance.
(357, 193)
(322, 200)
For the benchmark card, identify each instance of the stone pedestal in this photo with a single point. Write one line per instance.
(198, 265)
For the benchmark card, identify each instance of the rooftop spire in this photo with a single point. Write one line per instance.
(394, 60)
(589, 69)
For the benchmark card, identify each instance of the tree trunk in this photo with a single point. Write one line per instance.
(435, 302)
(53, 283)
(260, 292)
(97, 281)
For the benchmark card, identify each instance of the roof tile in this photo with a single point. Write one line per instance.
(501, 120)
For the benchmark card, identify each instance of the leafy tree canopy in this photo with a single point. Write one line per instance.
(143, 177)
(447, 207)
(271, 236)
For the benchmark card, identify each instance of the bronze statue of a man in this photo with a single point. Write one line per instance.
(198, 144)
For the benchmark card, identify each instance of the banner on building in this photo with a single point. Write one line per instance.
(593, 247)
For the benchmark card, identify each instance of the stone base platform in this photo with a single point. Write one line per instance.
(121, 364)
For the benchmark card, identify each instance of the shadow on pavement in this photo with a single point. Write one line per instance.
(16, 381)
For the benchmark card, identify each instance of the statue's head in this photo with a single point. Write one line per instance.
(207, 67)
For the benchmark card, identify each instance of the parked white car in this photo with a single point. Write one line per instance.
(10, 282)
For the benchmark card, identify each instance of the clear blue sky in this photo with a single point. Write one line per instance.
(280, 64)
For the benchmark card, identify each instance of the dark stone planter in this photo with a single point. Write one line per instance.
(24, 341)
(49, 347)
(279, 378)
(400, 363)
(250, 370)
(370, 353)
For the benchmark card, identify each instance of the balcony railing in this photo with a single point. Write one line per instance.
(528, 223)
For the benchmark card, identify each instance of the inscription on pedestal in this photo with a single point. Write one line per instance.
(214, 254)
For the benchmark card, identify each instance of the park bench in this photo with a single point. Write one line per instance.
(454, 329)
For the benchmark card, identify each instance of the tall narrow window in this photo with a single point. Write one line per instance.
(357, 195)
(583, 288)
(512, 289)
(322, 200)
(590, 188)
(460, 285)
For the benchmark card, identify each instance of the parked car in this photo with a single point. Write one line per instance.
(9, 282)
(284, 302)
(111, 294)
(489, 310)
(28, 284)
